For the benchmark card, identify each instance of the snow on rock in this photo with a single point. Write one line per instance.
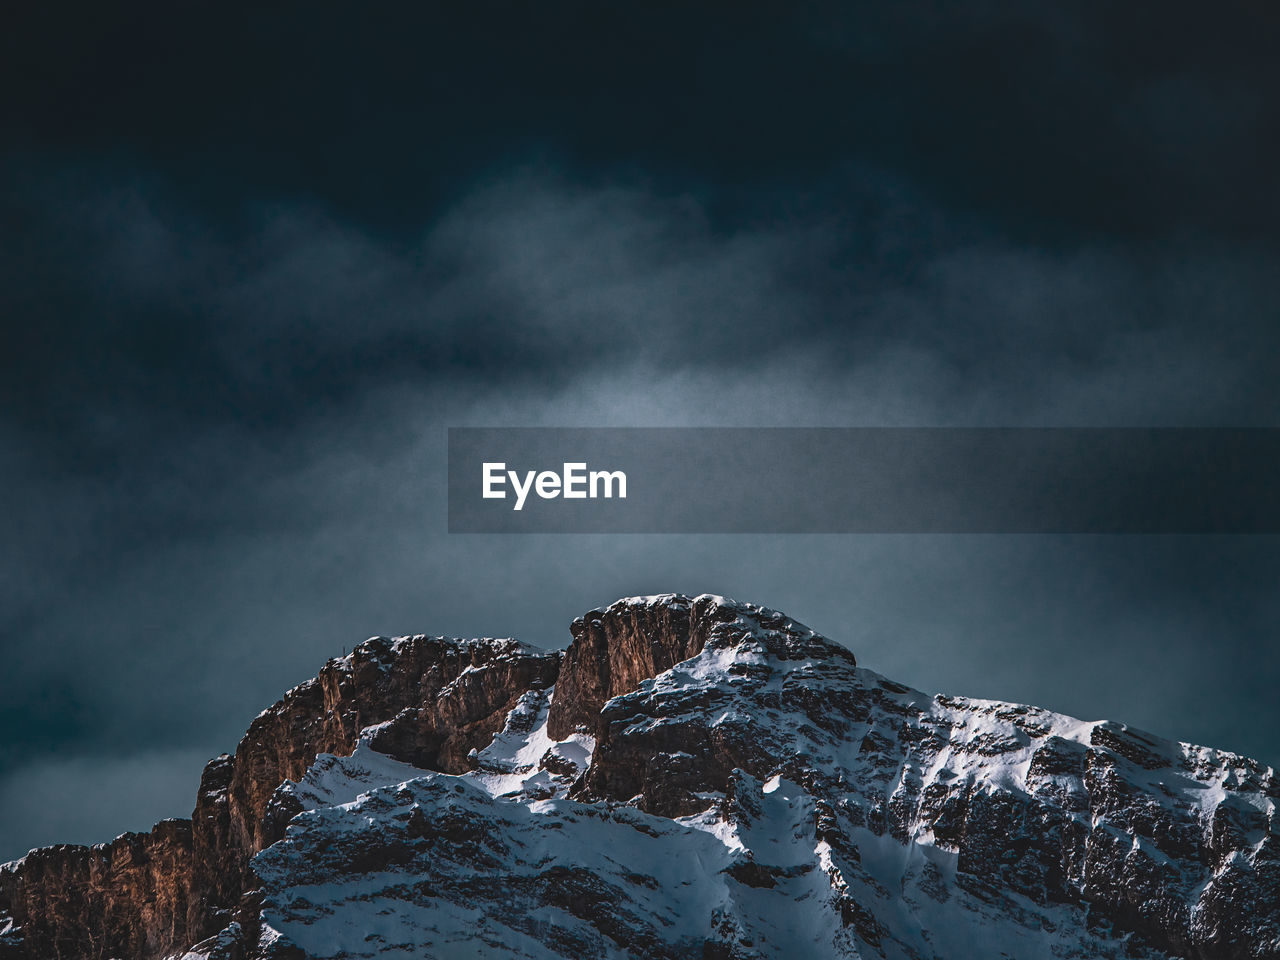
(765, 797)
(699, 777)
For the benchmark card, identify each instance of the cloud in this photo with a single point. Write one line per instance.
(228, 455)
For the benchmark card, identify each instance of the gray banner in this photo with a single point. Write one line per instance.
(863, 480)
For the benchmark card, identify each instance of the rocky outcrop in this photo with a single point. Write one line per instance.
(145, 895)
(613, 650)
(664, 766)
(127, 898)
(439, 698)
(706, 778)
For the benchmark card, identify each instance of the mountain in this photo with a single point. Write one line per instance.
(692, 777)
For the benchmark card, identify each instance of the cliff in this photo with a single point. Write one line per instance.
(149, 895)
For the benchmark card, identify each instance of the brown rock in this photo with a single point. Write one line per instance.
(127, 898)
(615, 649)
(145, 895)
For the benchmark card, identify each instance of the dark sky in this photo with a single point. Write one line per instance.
(254, 259)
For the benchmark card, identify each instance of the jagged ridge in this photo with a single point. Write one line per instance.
(807, 805)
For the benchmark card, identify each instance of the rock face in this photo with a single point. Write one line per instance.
(149, 895)
(694, 777)
(614, 649)
(128, 898)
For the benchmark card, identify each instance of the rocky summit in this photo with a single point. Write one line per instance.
(691, 778)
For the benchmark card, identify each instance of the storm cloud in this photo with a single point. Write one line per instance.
(253, 264)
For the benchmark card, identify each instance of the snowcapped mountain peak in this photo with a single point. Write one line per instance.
(693, 776)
